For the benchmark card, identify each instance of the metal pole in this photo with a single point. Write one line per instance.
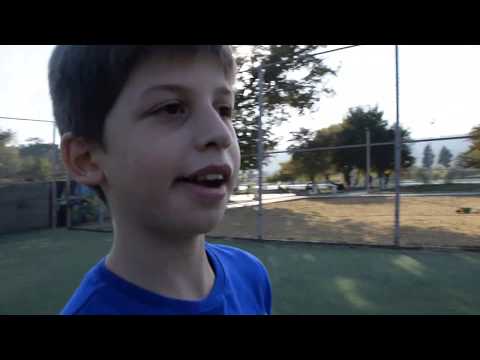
(367, 173)
(397, 155)
(68, 206)
(260, 153)
(54, 184)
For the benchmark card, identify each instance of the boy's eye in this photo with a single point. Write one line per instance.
(174, 109)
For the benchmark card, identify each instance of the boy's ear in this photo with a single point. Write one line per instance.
(78, 159)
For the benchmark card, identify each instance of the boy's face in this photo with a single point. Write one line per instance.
(172, 120)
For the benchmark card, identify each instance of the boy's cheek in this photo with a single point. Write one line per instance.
(236, 153)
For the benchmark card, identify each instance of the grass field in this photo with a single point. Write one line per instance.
(425, 221)
(41, 269)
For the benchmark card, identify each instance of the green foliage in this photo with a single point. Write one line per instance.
(428, 157)
(287, 173)
(9, 162)
(353, 131)
(32, 161)
(35, 168)
(438, 173)
(471, 158)
(423, 175)
(37, 149)
(452, 173)
(9, 156)
(282, 94)
(87, 210)
(445, 157)
(312, 163)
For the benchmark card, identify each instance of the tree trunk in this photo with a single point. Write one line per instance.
(314, 190)
(346, 176)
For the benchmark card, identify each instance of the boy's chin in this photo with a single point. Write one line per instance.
(204, 227)
(191, 226)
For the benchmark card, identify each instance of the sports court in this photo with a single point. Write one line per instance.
(40, 269)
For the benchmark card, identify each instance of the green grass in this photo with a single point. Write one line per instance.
(40, 270)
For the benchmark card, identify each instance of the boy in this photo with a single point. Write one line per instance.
(150, 129)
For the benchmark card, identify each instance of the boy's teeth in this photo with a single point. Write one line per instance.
(210, 177)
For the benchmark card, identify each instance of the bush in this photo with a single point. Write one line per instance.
(423, 175)
(437, 174)
(452, 174)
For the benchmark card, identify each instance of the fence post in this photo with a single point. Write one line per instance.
(68, 202)
(397, 155)
(367, 173)
(260, 153)
(54, 184)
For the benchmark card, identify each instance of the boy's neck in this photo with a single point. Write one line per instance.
(176, 268)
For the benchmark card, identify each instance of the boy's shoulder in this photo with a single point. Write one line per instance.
(246, 275)
(87, 293)
(231, 251)
(230, 255)
(240, 266)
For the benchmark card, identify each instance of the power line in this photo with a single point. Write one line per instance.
(314, 54)
(264, 66)
(299, 150)
(15, 118)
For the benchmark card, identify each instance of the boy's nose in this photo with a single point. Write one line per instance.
(212, 131)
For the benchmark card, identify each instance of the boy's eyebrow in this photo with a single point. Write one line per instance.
(222, 90)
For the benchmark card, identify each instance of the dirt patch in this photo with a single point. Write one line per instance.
(426, 221)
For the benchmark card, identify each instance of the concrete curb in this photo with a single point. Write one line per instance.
(343, 196)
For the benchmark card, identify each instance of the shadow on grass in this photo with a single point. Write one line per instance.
(325, 279)
(40, 273)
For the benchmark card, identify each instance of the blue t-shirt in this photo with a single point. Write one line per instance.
(241, 286)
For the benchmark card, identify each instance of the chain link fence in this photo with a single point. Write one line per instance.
(35, 191)
(439, 206)
(379, 189)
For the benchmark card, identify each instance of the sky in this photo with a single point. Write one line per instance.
(439, 89)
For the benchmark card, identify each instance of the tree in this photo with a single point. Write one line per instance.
(35, 168)
(30, 161)
(428, 157)
(36, 148)
(9, 156)
(6, 136)
(445, 157)
(471, 158)
(353, 131)
(313, 163)
(288, 172)
(37, 158)
(282, 92)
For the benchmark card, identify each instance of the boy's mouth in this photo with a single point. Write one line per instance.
(212, 176)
